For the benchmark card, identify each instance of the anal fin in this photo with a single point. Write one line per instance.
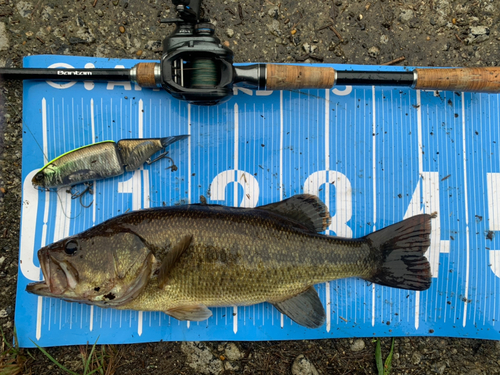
(305, 308)
(195, 313)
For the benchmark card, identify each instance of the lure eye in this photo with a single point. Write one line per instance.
(71, 247)
(39, 177)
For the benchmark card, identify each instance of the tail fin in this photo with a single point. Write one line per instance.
(399, 249)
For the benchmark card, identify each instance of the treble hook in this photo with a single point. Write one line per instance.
(161, 156)
(88, 188)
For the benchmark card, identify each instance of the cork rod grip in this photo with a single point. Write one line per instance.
(460, 79)
(146, 75)
(289, 77)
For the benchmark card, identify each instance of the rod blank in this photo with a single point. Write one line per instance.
(64, 74)
(289, 77)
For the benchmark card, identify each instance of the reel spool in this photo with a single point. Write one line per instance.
(195, 65)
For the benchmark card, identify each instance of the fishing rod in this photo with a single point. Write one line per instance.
(197, 68)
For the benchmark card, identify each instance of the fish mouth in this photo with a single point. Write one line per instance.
(59, 276)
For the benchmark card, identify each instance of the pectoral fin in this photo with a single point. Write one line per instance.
(305, 309)
(171, 258)
(195, 313)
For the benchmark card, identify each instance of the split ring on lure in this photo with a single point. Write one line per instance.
(101, 160)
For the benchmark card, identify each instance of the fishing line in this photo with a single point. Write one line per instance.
(205, 73)
(63, 207)
(29, 130)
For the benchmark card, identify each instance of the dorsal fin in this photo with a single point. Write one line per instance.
(171, 258)
(307, 209)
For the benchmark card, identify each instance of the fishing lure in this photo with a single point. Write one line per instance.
(101, 160)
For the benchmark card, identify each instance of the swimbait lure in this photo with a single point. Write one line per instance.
(101, 160)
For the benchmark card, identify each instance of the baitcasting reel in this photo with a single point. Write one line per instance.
(195, 65)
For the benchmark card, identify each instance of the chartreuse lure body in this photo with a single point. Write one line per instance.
(100, 160)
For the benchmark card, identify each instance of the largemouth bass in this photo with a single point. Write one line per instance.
(100, 160)
(183, 259)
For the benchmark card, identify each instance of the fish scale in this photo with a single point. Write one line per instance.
(265, 259)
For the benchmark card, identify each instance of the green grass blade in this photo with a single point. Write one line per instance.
(53, 360)
(5, 340)
(388, 361)
(378, 358)
(89, 359)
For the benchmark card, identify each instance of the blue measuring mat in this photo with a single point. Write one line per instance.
(374, 155)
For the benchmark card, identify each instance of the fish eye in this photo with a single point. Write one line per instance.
(71, 247)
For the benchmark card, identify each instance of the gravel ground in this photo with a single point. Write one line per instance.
(410, 32)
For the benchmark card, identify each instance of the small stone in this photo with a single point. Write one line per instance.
(416, 358)
(274, 28)
(139, 53)
(3, 313)
(122, 29)
(231, 366)
(232, 352)
(406, 15)
(302, 366)
(479, 30)
(200, 358)
(47, 12)
(306, 47)
(273, 12)
(358, 345)
(4, 39)
(384, 39)
(478, 34)
(100, 13)
(439, 367)
(230, 33)
(226, 43)
(24, 8)
(374, 52)
(153, 45)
